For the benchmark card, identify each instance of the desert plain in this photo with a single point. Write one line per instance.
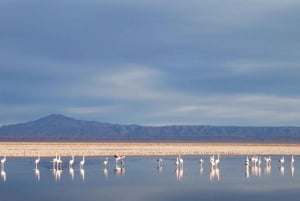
(47, 149)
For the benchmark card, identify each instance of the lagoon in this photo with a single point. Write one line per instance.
(143, 180)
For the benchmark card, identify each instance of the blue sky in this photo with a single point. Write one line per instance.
(208, 62)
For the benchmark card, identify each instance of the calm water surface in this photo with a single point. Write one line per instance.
(142, 180)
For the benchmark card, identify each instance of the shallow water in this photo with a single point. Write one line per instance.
(143, 180)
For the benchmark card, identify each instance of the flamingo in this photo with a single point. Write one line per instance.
(292, 160)
(177, 161)
(259, 161)
(105, 162)
(180, 161)
(201, 161)
(82, 162)
(71, 162)
(217, 161)
(281, 161)
(212, 160)
(119, 157)
(54, 161)
(36, 162)
(159, 161)
(2, 162)
(247, 161)
(59, 163)
(268, 160)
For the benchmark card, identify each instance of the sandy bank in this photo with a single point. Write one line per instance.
(29, 149)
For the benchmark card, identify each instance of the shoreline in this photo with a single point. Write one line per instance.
(49, 149)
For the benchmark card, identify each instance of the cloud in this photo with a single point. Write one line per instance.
(126, 82)
(251, 66)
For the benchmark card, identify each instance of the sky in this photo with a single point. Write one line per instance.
(151, 62)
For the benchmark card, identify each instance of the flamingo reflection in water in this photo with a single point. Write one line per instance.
(3, 175)
(214, 174)
(281, 170)
(71, 172)
(267, 170)
(37, 174)
(292, 170)
(82, 173)
(57, 174)
(247, 172)
(105, 172)
(179, 173)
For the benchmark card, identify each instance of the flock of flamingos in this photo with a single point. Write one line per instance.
(252, 165)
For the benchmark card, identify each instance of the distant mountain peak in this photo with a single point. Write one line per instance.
(54, 117)
(57, 127)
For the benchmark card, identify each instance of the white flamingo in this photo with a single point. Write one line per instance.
(201, 161)
(2, 162)
(217, 161)
(82, 162)
(292, 160)
(259, 161)
(105, 162)
(54, 161)
(281, 161)
(247, 161)
(212, 161)
(159, 161)
(71, 162)
(59, 163)
(180, 161)
(177, 161)
(268, 160)
(36, 162)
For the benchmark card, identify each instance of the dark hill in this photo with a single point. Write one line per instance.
(57, 127)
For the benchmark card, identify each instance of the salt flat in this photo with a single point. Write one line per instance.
(29, 149)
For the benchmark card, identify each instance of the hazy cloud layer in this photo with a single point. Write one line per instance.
(151, 62)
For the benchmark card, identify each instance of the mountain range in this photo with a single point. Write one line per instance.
(57, 127)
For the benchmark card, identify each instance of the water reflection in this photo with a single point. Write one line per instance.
(281, 170)
(179, 173)
(255, 170)
(105, 172)
(214, 174)
(119, 170)
(57, 174)
(142, 174)
(292, 170)
(201, 170)
(37, 174)
(160, 169)
(82, 174)
(267, 170)
(71, 172)
(3, 175)
(247, 172)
